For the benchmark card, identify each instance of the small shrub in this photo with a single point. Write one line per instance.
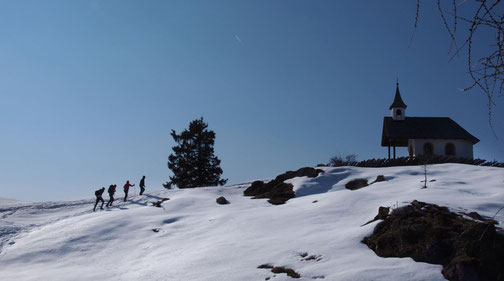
(338, 161)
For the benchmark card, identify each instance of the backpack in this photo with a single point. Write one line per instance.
(99, 192)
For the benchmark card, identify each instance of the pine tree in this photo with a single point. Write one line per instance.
(193, 162)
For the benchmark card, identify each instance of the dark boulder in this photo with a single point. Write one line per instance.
(356, 184)
(379, 178)
(158, 203)
(280, 269)
(276, 190)
(467, 249)
(289, 271)
(303, 172)
(222, 200)
(257, 187)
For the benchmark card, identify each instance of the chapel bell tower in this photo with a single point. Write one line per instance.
(398, 107)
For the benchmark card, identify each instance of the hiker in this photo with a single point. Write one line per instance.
(142, 185)
(99, 198)
(126, 187)
(111, 191)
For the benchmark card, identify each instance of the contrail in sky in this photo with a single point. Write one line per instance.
(238, 39)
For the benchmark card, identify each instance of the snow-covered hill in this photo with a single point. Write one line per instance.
(197, 239)
(8, 201)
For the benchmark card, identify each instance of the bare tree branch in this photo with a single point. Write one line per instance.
(485, 70)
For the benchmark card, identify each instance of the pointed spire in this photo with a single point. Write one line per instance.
(398, 102)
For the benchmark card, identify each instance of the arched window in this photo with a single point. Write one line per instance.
(428, 149)
(450, 149)
(398, 112)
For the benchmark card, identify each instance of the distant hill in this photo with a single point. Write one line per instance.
(4, 201)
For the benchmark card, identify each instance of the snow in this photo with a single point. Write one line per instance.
(201, 240)
(8, 201)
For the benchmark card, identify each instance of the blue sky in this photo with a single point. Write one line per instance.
(91, 89)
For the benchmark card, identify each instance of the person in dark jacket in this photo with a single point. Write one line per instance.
(126, 187)
(111, 191)
(99, 198)
(142, 185)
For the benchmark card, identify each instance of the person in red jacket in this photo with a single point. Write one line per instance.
(126, 187)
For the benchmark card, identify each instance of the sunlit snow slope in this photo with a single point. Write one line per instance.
(198, 239)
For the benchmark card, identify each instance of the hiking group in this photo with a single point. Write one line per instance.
(111, 191)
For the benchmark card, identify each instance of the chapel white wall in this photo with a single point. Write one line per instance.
(463, 148)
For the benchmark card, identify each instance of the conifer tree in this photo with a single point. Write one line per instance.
(193, 162)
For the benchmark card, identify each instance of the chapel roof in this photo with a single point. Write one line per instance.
(397, 133)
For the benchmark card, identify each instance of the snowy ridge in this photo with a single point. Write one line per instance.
(197, 239)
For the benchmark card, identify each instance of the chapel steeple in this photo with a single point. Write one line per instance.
(398, 107)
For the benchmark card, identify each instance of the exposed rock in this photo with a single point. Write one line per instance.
(313, 257)
(303, 172)
(158, 203)
(276, 190)
(222, 200)
(468, 250)
(356, 184)
(306, 257)
(383, 213)
(289, 271)
(475, 216)
(257, 188)
(380, 178)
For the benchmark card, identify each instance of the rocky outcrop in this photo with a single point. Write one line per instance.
(276, 190)
(467, 249)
